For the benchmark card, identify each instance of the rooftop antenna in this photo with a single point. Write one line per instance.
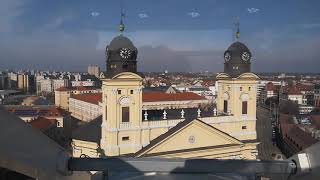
(237, 24)
(121, 25)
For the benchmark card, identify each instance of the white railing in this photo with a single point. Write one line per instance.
(125, 125)
(160, 123)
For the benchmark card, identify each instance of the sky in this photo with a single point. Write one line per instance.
(173, 35)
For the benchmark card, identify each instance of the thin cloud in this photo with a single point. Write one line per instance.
(311, 26)
(143, 15)
(194, 14)
(95, 14)
(253, 10)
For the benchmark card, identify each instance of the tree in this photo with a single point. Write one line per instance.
(289, 107)
(272, 100)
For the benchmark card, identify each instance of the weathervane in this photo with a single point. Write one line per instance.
(121, 26)
(238, 28)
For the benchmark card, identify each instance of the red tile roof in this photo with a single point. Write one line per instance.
(161, 96)
(295, 133)
(42, 123)
(78, 88)
(93, 98)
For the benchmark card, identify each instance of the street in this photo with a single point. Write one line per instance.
(264, 135)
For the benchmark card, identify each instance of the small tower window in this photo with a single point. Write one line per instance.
(225, 106)
(126, 138)
(125, 114)
(244, 107)
(131, 91)
(119, 91)
(244, 127)
(249, 88)
(240, 88)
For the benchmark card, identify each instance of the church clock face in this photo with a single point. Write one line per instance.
(245, 56)
(227, 56)
(125, 53)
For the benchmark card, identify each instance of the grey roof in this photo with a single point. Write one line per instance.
(121, 42)
(90, 131)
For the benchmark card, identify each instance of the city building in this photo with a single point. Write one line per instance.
(29, 113)
(128, 129)
(294, 137)
(94, 70)
(62, 94)
(85, 107)
(23, 82)
(317, 95)
(295, 95)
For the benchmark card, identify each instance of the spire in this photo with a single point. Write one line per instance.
(238, 29)
(121, 25)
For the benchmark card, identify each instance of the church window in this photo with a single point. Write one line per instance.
(240, 88)
(244, 107)
(131, 91)
(126, 138)
(225, 106)
(244, 127)
(125, 114)
(249, 88)
(119, 91)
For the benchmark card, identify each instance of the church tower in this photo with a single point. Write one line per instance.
(122, 98)
(237, 92)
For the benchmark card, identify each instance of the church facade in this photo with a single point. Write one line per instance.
(126, 128)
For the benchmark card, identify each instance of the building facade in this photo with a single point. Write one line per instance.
(128, 128)
(94, 70)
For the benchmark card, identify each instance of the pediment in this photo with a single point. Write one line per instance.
(248, 76)
(127, 75)
(192, 135)
(223, 76)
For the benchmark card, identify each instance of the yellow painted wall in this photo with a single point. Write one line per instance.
(130, 85)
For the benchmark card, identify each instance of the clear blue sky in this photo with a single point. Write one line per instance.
(178, 35)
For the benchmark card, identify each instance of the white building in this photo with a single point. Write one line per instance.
(94, 70)
(58, 83)
(85, 107)
(87, 83)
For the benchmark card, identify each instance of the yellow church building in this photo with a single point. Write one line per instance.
(127, 128)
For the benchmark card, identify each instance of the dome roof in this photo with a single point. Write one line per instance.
(238, 46)
(236, 50)
(121, 42)
(237, 59)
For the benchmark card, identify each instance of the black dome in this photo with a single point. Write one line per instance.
(236, 49)
(238, 46)
(121, 56)
(121, 42)
(237, 59)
